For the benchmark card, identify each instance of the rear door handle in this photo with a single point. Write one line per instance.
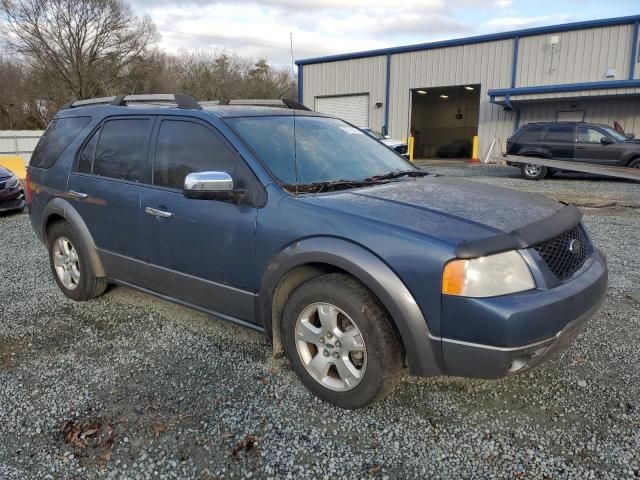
(78, 195)
(157, 213)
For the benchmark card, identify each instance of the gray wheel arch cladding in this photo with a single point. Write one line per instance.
(60, 206)
(423, 351)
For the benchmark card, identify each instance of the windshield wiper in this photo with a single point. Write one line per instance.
(317, 187)
(392, 175)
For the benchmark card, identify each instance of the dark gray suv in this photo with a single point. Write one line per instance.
(572, 142)
(352, 261)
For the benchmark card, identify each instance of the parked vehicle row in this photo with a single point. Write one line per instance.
(350, 259)
(572, 142)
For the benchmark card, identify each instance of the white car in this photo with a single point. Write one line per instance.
(397, 145)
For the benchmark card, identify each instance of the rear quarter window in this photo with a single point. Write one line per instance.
(56, 138)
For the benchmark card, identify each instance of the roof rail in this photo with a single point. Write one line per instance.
(182, 101)
(284, 103)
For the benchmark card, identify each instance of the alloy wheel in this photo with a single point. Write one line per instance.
(331, 347)
(66, 263)
(532, 170)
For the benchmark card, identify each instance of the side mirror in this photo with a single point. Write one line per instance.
(387, 136)
(209, 186)
(606, 141)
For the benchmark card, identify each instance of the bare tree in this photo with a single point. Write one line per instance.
(85, 46)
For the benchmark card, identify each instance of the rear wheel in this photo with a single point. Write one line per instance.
(340, 341)
(634, 163)
(70, 264)
(531, 171)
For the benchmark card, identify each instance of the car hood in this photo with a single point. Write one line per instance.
(4, 173)
(449, 209)
(392, 142)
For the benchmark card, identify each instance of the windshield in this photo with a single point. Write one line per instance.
(615, 134)
(374, 134)
(324, 150)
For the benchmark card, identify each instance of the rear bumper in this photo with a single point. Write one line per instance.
(526, 328)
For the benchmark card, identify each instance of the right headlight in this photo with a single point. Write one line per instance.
(13, 181)
(488, 276)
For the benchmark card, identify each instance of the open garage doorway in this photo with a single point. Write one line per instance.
(444, 121)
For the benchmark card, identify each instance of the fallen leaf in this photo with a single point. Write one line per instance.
(226, 434)
(247, 444)
(376, 469)
(274, 370)
(580, 360)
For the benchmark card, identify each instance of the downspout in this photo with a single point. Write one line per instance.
(516, 110)
(300, 89)
(634, 50)
(387, 96)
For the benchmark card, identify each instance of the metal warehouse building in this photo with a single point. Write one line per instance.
(446, 92)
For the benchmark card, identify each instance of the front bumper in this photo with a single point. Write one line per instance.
(11, 201)
(499, 336)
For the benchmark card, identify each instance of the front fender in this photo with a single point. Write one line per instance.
(62, 207)
(423, 351)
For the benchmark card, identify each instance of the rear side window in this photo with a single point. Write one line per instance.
(121, 149)
(559, 133)
(56, 138)
(184, 147)
(531, 133)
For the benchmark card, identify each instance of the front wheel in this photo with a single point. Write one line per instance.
(531, 171)
(340, 341)
(70, 264)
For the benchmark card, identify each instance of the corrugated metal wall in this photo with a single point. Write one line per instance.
(487, 64)
(624, 110)
(366, 75)
(579, 56)
(19, 142)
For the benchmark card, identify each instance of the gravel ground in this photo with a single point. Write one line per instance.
(129, 386)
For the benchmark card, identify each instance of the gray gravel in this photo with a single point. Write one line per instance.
(180, 391)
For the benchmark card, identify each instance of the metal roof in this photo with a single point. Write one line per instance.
(476, 39)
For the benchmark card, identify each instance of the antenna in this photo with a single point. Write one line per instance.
(292, 77)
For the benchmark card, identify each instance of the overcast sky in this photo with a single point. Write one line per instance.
(320, 27)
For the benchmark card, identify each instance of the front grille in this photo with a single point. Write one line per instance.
(566, 253)
(15, 203)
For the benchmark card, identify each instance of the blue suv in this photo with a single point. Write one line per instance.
(353, 262)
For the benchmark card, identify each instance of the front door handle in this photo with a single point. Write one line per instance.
(77, 195)
(158, 213)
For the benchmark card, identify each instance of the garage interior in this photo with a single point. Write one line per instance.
(444, 121)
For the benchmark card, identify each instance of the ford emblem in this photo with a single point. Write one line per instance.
(575, 246)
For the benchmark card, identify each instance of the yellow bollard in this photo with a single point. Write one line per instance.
(15, 164)
(475, 149)
(411, 141)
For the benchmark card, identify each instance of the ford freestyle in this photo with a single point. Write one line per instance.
(353, 262)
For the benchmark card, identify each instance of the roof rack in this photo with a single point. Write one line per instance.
(182, 101)
(284, 103)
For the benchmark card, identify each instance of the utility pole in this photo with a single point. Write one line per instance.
(10, 116)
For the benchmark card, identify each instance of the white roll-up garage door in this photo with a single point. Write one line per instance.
(351, 108)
